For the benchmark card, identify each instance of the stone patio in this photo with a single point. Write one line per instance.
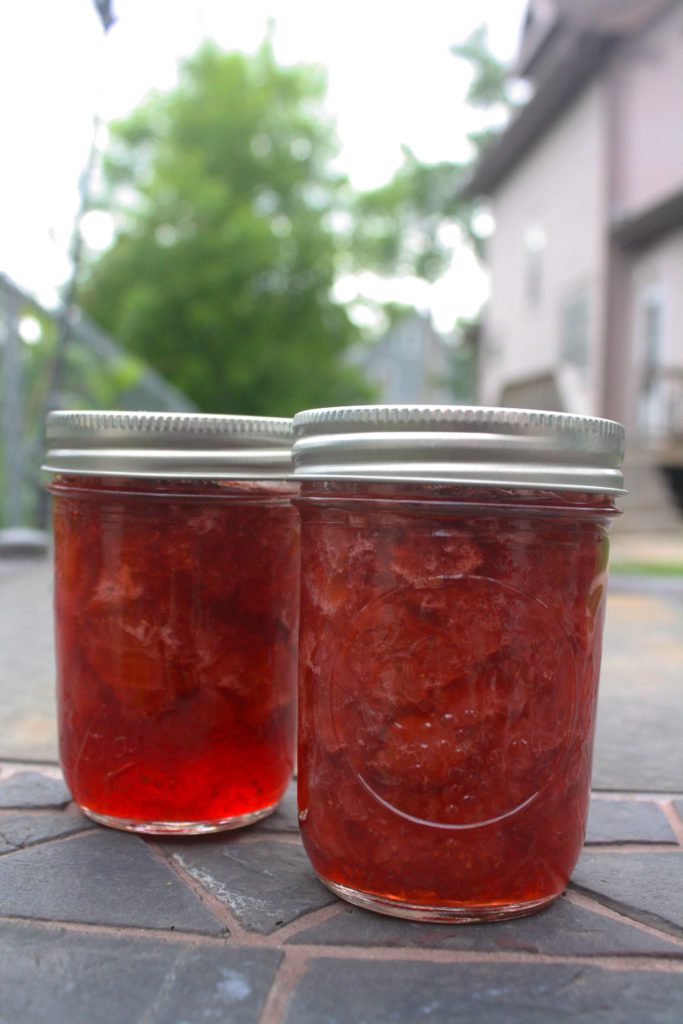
(102, 926)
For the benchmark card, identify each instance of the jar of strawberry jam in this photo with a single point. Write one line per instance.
(454, 568)
(176, 601)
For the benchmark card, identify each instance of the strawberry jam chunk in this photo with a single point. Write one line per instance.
(176, 617)
(450, 647)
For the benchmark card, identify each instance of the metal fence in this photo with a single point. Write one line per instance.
(98, 373)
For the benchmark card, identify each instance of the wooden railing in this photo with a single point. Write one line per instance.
(660, 407)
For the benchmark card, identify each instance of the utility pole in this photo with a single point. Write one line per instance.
(68, 311)
(68, 307)
(12, 408)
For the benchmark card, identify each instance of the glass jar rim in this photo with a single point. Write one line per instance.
(476, 445)
(167, 444)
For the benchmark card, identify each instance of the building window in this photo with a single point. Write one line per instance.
(652, 339)
(653, 389)
(535, 244)
(574, 327)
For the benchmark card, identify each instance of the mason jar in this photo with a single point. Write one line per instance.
(454, 572)
(176, 605)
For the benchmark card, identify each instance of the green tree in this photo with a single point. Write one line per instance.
(462, 375)
(223, 265)
(399, 227)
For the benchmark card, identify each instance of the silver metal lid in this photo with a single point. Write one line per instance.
(460, 444)
(170, 444)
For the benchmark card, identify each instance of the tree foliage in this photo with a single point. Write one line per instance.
(222, 270)
(399, 227)
(462, 375)
(229, 238)
(490, 83)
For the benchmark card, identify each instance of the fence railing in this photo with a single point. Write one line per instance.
(660, 407)
(98, 373)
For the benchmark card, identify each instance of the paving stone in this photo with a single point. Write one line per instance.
(55, 975)
(28, 726)
(33, 790)
(102, 877)
(563, 929)
(627, 821)
(376, 992)
(638, 736)
(285, 818)
(648, 886)
(265, 883)
(20, 830)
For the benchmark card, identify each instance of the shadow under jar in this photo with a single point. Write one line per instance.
(176, 607)
(454, 570)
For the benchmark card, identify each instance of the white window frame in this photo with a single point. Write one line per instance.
(650, 396)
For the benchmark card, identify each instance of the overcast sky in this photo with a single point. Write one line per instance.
(391, 80)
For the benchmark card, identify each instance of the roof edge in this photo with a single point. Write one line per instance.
(639, 230)
(581, 62)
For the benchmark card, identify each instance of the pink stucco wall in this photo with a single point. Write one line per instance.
(657, 274)
(616, 151)
(648, 112)
(560, 186)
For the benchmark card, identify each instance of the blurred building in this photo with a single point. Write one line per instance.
(411, 363)
(586, 184)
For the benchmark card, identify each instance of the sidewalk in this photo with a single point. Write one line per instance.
(104, 927)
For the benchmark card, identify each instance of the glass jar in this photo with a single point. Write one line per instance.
(176, 603)
(454, 569)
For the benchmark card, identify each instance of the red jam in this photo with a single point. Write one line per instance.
(176, 617)
(450, 649)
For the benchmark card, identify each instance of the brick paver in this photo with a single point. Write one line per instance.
(646, 885)
(628, 821)
(32, 789)
(100, 877)
(266, 883)
(20, 830)
(68, 977)
(106, 927)
(480, 993)
(567, 928)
